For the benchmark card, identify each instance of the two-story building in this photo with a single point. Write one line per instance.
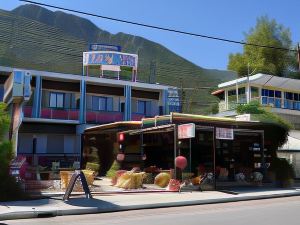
(281, 96)
(51, 110)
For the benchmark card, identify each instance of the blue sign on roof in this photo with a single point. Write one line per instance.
(104, 47)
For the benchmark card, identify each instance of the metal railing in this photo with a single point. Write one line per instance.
(61, 114)
(103, 116)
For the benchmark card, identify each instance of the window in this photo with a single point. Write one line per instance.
(141, 108)
(254, 92)
(231, 92)
(1, 92)
(102, 103)
(56, 100)
(144, 107)
(264, 92)
(242, 91)
(278, 94)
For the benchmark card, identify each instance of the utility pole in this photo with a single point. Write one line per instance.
(248, 85)
(298, 54)
(182, 95)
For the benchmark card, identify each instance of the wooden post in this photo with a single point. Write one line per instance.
(214, 157)
(175, 150)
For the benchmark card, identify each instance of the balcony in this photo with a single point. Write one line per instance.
(27, 110)
(137, 116)
(100, 117)
(222, 106)
(60, 114)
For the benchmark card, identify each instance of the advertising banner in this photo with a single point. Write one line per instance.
(186, 131)
(110, 58)
(173, 100)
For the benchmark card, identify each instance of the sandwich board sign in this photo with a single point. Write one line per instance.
(186, 131)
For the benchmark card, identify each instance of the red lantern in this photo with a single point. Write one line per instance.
(180, 162)
(120, 156)
(121, 137)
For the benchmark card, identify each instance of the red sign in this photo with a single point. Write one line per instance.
(186, 131)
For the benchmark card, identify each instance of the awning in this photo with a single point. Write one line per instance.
(217, 92)
(157, 129)
(265, 80)
(117, 126)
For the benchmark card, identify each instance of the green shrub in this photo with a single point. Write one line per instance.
(282, 169)
(113, 169)
(9, 188)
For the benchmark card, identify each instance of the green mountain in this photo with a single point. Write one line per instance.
(37, 38)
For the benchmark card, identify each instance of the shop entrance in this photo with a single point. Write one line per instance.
(237, 160)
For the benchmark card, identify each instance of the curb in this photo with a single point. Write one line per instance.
(93, 210)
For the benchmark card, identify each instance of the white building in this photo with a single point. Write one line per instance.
(281, 95)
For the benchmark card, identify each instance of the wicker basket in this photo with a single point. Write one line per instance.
(65, 177)
(89, 176)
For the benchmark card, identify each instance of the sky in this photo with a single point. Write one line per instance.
(229, 19)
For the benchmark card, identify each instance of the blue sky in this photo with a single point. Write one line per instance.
(228, 19)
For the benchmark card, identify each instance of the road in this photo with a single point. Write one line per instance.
(281, 211)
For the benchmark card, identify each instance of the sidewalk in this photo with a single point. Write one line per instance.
(120, 202)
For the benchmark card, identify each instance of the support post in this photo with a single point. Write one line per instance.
(82, 114)
(127, 94)
(37, 98)
(175, 149)
(214, 157)
(190, 155)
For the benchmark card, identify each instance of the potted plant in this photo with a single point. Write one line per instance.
(283, 171)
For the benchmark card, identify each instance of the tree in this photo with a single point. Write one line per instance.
(262, 114)
(265, 60)
(9, 188)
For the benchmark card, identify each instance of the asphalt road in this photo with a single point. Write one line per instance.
(281, 211)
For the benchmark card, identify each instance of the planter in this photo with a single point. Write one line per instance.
(284, 183)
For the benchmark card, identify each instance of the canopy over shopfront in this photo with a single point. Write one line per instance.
(224, 147)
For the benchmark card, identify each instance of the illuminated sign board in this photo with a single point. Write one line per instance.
(186, 131)
(110, 58)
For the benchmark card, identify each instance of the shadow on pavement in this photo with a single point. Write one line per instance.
(90, 202)
(29, 203)
(246, 190)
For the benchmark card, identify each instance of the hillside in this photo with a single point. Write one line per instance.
(34, 37)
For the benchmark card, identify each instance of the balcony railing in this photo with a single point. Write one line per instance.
(222, 106)
(100, 117)
(27, 110)
(60, 114)
(137, 116)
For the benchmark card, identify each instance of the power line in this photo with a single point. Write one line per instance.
(160, 28)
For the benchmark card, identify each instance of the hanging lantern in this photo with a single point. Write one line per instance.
(180, 162)
(121, 137)
(120, 157)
